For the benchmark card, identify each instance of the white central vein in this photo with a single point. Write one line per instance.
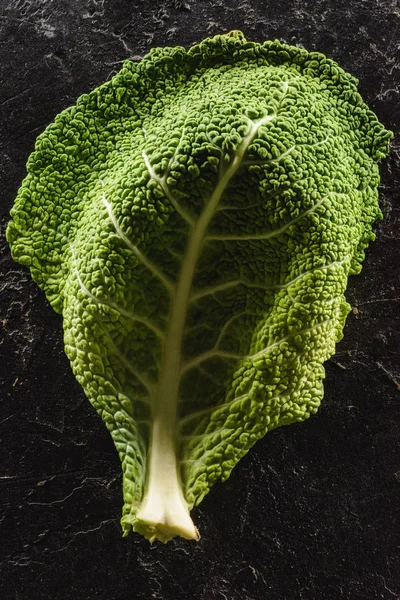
(163, 501)
(171, 369)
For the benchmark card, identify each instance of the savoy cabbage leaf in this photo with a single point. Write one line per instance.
(195, 220)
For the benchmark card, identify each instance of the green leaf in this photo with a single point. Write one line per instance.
(195, 220)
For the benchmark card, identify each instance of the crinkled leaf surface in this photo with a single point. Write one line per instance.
(195, 220)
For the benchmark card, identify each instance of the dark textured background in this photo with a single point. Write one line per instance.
(312, 512)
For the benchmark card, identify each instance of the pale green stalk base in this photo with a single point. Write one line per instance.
(164, 513)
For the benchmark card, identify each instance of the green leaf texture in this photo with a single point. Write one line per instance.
(195, 220)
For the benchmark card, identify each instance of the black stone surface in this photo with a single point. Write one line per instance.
(312, 512)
